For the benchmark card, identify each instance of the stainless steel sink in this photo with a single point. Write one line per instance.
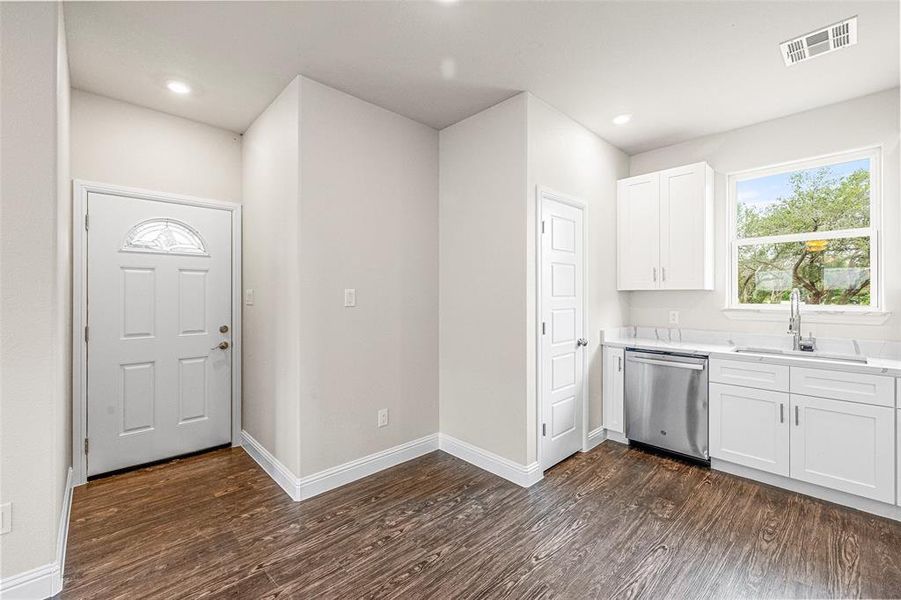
(853, 358)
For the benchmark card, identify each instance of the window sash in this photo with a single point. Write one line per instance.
(874, 155)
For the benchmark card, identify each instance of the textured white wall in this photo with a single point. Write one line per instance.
(369, 221)
(124, 144)
(272, 331)
(33, 304)
(862, 122)
(567, 158)
(483, 377)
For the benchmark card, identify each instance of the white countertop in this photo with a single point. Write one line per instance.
(874, 366)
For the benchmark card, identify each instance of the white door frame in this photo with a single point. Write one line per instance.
(80, 191)
(540, 193)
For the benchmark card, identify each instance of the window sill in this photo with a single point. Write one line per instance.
(809, 315)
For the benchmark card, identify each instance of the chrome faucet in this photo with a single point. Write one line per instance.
(794, 325)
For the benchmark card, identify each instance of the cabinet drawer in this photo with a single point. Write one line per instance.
(749, 374)
(852, 387)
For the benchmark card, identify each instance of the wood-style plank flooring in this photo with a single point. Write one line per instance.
(616, 522)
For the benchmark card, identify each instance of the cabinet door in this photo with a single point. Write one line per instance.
(638, 232)
(845, 446)
(686, 228)
(614, 363)
(750, 427)
(898, 446)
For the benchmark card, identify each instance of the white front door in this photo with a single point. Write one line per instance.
(562, 354)
(159, 330)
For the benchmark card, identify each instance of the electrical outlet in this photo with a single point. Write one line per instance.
(674, 317)
(350, 297)
(6, 518)
(383, 417)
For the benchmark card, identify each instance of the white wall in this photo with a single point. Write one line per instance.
(369, 221)
(339, 193)
(124, 144)
(862, 122)
(271, 327)
(482, 292)
(567, 158)
(33, 412)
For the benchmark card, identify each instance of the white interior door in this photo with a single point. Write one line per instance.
(159, 307)
(562, 353)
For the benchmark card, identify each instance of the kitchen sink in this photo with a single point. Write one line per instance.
(852, 358)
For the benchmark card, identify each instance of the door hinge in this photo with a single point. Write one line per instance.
(86, 333)
(85, 222)
(86, 445)
(543, 328)
(543, 430)
(542, 227)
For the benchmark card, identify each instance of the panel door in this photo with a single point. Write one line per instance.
(159, 289)
(750, 427)
(685, 229)
(614, 380)
(638, 232)
(844, 446)
(562, 314)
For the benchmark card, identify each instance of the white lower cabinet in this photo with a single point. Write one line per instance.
(844, 446)
(750, 427)
(614, 384)
(898, 446)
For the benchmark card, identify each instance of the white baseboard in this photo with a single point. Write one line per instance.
(522, 475)
(301, 488)
(47, 580)
(279, 473)
(329, 479)
(615, 436)
(802, 487)
(595, 437)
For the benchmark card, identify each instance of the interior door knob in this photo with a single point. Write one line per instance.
(221, 346)
(223, 329)
(582, 342)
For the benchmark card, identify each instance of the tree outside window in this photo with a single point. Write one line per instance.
(808, 228)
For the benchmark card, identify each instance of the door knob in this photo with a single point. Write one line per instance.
(223, 329)
(221, 346)
(582, 342)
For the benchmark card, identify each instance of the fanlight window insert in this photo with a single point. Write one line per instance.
(164, 236)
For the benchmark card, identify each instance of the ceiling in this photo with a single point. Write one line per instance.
(683, 69)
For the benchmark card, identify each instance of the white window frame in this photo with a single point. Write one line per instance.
(874, 154)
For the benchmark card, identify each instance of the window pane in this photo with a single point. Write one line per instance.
(821, 199)
(829, 272)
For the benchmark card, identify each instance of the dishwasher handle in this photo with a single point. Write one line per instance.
(669, 363)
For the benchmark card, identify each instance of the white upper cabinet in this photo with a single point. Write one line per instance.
(638, 232)
(665, 230)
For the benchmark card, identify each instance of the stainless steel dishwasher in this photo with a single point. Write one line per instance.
(666, 401)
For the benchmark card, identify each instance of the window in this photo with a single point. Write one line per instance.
(809, 225)
(164, 236)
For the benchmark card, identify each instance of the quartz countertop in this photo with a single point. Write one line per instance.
(725, 350)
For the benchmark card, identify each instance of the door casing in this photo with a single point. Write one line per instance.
(540, 193)
(80, 191)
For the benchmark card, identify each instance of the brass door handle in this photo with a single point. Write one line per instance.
(221, 346)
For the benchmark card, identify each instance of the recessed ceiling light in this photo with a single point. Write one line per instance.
(178, 87)
(622, 119)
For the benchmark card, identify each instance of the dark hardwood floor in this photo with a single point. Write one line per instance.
(612, 523)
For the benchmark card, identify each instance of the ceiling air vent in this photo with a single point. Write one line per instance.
(819, 42)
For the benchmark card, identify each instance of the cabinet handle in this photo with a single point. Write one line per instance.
(797, 422)
(663, 274)
(619, 364)
(655, 273)
(781, 412)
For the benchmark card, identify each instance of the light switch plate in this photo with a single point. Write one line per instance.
(383, 417)
(248, 297)
(674, 317)
(350, 297)
(6, 518)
